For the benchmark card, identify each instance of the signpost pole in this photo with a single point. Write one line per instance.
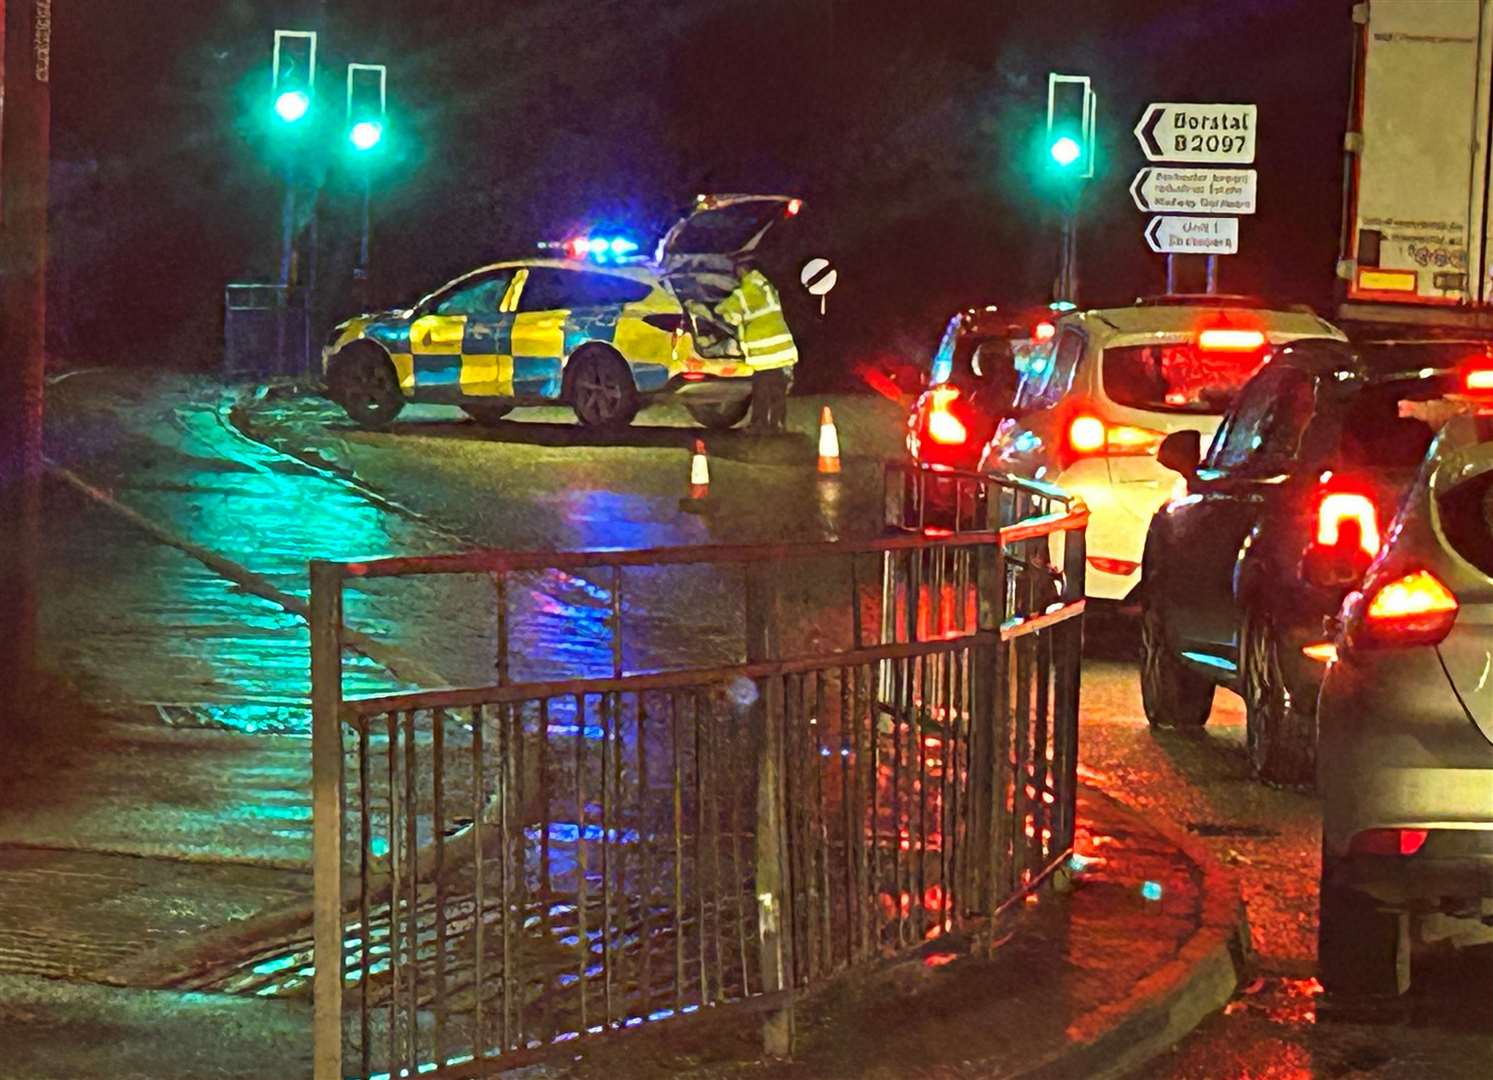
(1212, 274)
(1171, 273)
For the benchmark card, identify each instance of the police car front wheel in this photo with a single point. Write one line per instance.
(601, 390)
(364, 384)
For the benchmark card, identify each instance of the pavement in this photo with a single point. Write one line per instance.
(164, 801)
(1089, 980)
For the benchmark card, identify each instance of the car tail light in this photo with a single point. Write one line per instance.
(1043, 331)
(1415, 609)
(1122, 567)
(669, 324)
(1221, 339)
(1090, 435)
(943, 426)
(1478, 380)
(1389, 841)
(1342, 515)
(793, 207)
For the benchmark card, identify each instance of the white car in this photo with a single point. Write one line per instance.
(1117, 382)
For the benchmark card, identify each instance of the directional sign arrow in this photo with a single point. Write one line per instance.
(1136, 186)
(1181, 131)
(1193, 235)
(1197, 190)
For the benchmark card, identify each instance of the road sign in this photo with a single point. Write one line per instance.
(1193, 235)
(818, 277)
(1205, 191)
(1177, 131)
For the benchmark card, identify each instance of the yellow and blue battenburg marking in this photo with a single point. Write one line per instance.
(523, 354)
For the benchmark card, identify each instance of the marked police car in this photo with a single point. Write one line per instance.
(602, 335)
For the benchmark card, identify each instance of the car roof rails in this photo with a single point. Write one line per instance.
(1201, 300)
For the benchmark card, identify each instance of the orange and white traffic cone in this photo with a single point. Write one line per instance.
(829, 444)
(698, 498)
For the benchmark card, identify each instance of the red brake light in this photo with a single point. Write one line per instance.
(1338, 508)
(1220, 339)
(1478, 380)
(1090, 435)
(1415, 609)
(1086, 435)
(1043, 331)
(1389, 841)
(943, 426)
(793, 207)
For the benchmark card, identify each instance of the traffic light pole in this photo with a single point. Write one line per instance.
(360, 272)
(25, 125)
(1066, 285)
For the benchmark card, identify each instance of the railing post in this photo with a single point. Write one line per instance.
(988, 694)
(1068, 679)
(326, 804)
(774, 904)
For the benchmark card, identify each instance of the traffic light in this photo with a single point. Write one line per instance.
(366, 84)
(295, 74)
(1070, 125)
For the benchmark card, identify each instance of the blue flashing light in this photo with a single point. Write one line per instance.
(600, 248)
(1151, 890)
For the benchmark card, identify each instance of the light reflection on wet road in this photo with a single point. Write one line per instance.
(1279, 1026)
(241, 661)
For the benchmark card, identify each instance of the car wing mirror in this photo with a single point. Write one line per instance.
(1181, 451)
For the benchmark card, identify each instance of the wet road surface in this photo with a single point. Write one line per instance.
(1279, 1026)
(244, 659)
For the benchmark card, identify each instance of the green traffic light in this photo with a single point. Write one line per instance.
(1065, 151)
(365, 134)
(292, 105)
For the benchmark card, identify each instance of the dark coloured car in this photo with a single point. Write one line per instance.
(1279, 522)
(970, 381)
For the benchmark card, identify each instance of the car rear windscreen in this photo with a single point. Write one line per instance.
(1377, 435)
(1177, 376)
(1467, 520)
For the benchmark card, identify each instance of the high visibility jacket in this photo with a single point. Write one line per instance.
(755, 312)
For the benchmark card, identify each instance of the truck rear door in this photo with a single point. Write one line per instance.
(1418, 149)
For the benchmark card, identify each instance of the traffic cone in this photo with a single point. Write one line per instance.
(829, 444)
(698, 498)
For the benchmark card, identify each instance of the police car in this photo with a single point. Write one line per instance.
(589, 328)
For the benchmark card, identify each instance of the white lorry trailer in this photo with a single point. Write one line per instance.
(1415, 240)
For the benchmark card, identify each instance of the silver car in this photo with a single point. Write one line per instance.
(1405, 751)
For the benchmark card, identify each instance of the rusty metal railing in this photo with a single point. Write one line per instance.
(502, 868)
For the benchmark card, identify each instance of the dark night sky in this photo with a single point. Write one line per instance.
(909, 127)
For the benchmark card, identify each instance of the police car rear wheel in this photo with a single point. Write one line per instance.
(602, 391)
(718, 416)
(368, 388)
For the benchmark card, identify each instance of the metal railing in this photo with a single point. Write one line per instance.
(502, 868)
(266, 331)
